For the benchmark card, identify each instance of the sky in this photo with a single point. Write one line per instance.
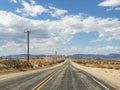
(65, 26)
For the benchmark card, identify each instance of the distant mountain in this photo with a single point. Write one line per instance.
(22, 56)
(110, 56)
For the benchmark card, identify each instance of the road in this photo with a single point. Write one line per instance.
(66, 77)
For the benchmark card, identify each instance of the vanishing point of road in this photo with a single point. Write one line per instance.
(64, 77)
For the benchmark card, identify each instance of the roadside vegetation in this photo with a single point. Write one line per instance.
(16, 65)
(108, 64)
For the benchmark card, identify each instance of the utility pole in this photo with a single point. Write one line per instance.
(56, 55)
(28, 32)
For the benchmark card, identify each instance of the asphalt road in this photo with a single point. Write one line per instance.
(68, 78)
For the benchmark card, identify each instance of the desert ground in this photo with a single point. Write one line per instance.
(13, 65)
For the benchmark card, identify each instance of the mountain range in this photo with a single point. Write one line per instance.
(22, 56)
(109, 56)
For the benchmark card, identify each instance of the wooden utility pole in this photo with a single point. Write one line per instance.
(28, 56)
(55, 55)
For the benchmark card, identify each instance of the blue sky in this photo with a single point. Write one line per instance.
(66, 26)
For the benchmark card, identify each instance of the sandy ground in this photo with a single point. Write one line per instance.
(110, 76)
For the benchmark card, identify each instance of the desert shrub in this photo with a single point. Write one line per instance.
(15, 64)
(60, 61)
(51, 63)
(80, 62)
(110, 67)
(24, 64)
(117, 67)
(12, 63)
(40, 64)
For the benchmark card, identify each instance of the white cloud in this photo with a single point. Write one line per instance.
(32, 2)
(71, 50)
(117, 8)
(107, 28)
(14, 1)
(110, 9)
(56, 12)
(50, 35)
(44, 34)
(11, 47)
(111, 4)
(31, 9)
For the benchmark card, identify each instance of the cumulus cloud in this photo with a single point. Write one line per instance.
(55, 12)
(110, 3)
(31, 9)
(12, 48)
(49, 35)
(44, 33)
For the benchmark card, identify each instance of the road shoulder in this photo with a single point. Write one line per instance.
(110, 76)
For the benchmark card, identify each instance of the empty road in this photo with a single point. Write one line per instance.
(64, 77)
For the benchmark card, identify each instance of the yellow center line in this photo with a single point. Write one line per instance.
(40, 85)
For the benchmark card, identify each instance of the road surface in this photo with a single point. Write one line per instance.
(65, 77)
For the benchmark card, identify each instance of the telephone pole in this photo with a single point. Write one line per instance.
(28, 32)
(55, 55)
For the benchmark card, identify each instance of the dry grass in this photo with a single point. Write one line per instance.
(18, 65)
(108, 64)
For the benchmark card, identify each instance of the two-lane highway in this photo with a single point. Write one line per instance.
(64, 77)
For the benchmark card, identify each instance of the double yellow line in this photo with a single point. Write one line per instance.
(40, 85)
